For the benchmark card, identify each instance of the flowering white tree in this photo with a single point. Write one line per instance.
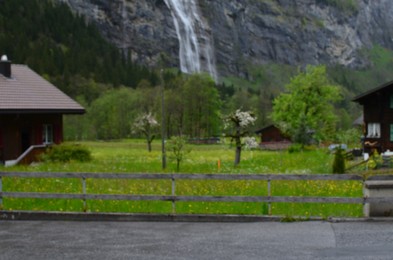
(146, 124)
(250, 143)
(239, 122)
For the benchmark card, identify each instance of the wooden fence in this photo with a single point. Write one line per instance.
(84, 196)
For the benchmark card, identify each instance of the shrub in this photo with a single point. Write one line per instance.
(375, 160)
(339, 161)
(67, 153)
(295, 148)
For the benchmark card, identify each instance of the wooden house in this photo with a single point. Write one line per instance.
(272, 138)
(378, 118)
(31, 111)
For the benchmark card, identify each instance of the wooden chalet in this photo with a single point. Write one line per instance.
(377, 118)
(31, 111)
(272, 138)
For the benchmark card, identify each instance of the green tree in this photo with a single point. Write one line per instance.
(177, 146)
(110, 115)
(193, 106)
(306, 110)
(76, 127)
(201, 106)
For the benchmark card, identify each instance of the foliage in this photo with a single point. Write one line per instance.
(339, 161)
(76, 127)
(111, 114)
(146, 124)
(192, 106)
(177, 147)
(239, 122)
(305, 111)
(351, 137)
(67, 153)
(375, 161)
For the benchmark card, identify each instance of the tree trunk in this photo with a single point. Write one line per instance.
(238, 146)
(177, 165)
(149, 145)
(238, 154)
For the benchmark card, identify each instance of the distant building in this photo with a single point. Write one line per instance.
(272, 138)
(378, 118)
(31, 111)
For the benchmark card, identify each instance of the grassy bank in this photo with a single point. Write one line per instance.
(132, 156)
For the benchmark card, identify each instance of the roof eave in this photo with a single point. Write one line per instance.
(43, 111)
(371, 91)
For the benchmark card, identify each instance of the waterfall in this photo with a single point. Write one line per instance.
(124, 45)
(196, 52)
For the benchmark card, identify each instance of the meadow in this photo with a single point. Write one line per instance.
(131, 156)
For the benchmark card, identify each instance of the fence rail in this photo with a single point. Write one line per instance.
(84, 196)
(185, 176)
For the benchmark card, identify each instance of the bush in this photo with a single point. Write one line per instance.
(339, 161)
(375, 161)
(295, 148)
(67, 153)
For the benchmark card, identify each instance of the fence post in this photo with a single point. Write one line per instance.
(269, 194)
(1, 191)
(84, 193)
(173, 194)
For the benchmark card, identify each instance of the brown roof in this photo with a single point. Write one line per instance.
(26, 91)
(366, 94)
(266, 128)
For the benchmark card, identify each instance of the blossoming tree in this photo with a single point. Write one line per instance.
(239, 123)
(146, 124)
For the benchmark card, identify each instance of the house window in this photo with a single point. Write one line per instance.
(374, 130)
(47, 134)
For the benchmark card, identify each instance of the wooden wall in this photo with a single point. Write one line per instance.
(20, 131)
(377, 109)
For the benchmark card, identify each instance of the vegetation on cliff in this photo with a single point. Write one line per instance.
(64, 48)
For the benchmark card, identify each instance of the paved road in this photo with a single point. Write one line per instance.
(169, 240)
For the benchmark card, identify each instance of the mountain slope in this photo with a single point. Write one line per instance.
(62, 47)
(250, 32)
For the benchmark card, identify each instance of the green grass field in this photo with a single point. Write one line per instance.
(131, 156)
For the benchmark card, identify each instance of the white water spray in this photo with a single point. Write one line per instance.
(195, 49)
(124, 19)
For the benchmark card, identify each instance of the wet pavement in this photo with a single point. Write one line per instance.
(183, 240)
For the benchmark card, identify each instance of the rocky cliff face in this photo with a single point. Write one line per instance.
(249, 32)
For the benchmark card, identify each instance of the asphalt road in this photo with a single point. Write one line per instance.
(171, 240)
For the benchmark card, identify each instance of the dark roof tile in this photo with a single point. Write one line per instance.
(27, 91)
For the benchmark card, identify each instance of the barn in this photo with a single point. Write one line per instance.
(31, 113)
(272, 138)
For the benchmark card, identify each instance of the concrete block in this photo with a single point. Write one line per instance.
(378, 189)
